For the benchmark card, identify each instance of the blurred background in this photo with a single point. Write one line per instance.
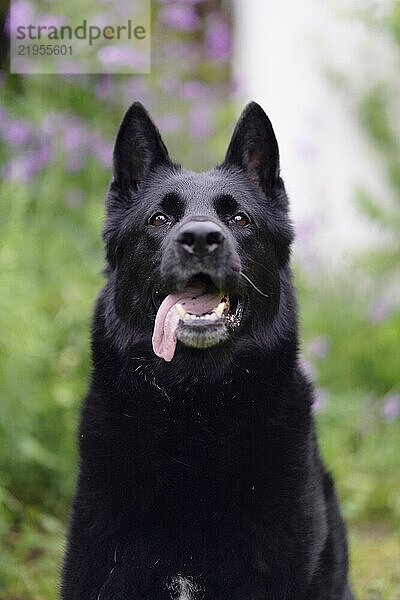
(327, 73)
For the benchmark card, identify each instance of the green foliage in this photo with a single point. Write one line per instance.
(49, 264)
(363, 347)
(374, 117)
(361, 450)
(30, 560)
(351, 426)
(394, 22)
(379, 109)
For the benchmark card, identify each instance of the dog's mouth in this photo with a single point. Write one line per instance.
(199, 316)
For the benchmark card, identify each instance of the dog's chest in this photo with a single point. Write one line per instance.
(183, 588)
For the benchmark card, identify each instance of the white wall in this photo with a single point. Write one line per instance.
(282, 51)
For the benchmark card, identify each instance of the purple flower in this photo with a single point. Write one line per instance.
(42, 156)
(179, 16)
(169, 84)
(25, 167)
(200, 121)
(74, 135)
(321, 399)
(391, 407)
(21, 13)
(134, 88)
(235, 85)
(379, 311)
(16, 133)
(308, 369)
(217, 41)
(102, 150)
(53, 20)
(319, 347)
(121, 56)
(187, 54)
(76, 161)
(194, 90)
(105, 87)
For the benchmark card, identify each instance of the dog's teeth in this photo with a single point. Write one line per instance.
(216, 314)
(220, 309)
(180, 310)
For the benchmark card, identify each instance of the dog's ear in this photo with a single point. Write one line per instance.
(138, 148)
(254, 148)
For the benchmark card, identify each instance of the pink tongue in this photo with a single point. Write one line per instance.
(195, 301)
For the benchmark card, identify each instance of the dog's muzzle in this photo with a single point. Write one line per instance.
(201, 271)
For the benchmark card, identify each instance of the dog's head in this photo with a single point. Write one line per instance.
(197, 262)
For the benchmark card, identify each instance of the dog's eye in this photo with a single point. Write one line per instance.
(240, 219)
(158, 220)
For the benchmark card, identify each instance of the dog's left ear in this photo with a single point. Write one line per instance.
(254, 148)
(138, 148)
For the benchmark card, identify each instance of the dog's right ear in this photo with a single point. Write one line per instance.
(254, 148)
(138, 148)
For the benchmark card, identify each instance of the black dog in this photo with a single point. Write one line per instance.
(200, 475)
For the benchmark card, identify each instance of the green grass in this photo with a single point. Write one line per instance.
(31, 556)
(375, 556)
(361, 450)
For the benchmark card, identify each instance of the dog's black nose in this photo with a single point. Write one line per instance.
(200, 237)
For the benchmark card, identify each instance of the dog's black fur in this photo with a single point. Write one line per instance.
(200, 478)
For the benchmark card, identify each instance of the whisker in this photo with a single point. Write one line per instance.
(254, 285)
